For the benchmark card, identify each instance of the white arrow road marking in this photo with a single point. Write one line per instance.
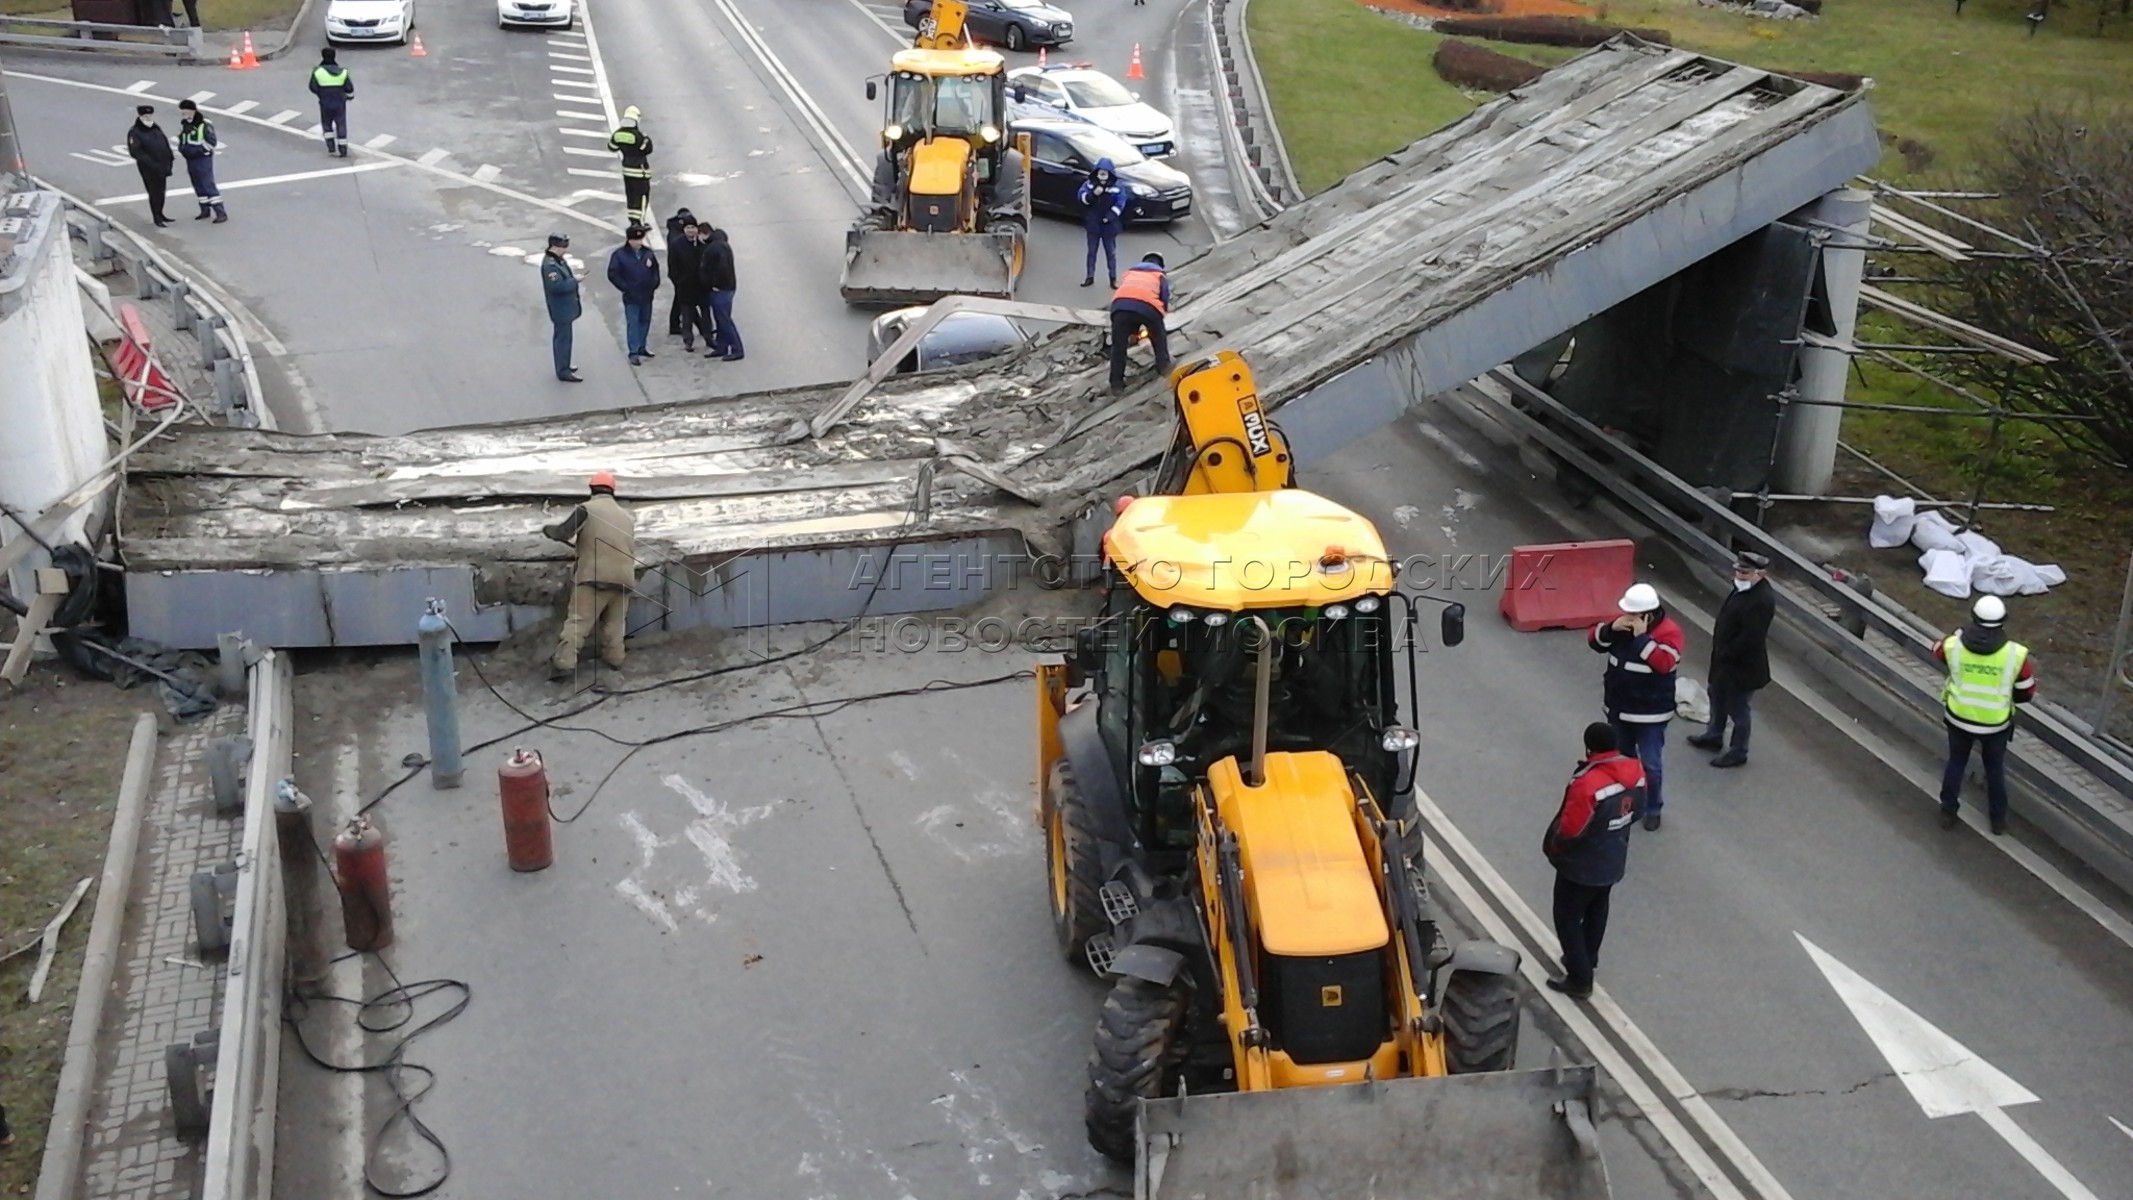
(1943, 1076)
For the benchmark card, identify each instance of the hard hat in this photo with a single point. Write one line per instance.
(1640, 598)
(602, 479)
(631, 113)
(1989, 610)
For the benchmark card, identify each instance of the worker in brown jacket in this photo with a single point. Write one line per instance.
(606, 537)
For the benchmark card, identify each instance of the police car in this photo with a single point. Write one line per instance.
(555, 14)
(369, 21)
(1077, 93)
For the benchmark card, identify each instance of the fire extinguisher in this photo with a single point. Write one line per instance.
(522, 782)
(366, 893)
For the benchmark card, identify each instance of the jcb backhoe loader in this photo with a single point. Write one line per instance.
(1226, 796)
(949, 209)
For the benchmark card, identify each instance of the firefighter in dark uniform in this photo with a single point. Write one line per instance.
(1588, 845)
(635, 147)
(560, 285)
(333, 86)
(605, 534)
(197, 143)
(152, 157)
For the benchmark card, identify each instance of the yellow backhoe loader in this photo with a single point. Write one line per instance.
(1227, 800)
(948, 212)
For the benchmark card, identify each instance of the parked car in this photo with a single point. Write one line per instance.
(960, 338)
(369, 21)
(1077, 93)
(555, 14)
(1062, 153)
(1015, 24)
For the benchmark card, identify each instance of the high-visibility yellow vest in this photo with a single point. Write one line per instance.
(329, 77)
(1980, 688)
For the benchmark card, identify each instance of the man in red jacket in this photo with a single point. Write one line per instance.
(1643, 649)
(1588, 844)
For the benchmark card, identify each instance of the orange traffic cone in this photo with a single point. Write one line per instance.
(1042, 61)
(418, 51)
(236, 59)
(249, 59)
(1134, 71)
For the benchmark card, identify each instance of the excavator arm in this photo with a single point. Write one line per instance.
(1225, 441)
(943, 27)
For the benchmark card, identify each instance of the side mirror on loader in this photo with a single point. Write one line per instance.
(872, 91)
(1088, 657)
(1452, 624)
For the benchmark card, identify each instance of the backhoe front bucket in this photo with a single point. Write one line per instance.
(1513, 1135)
(899, 267)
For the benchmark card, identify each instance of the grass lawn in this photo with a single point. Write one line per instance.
(217, 15)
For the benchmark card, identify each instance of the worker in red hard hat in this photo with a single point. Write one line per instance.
(605, 535)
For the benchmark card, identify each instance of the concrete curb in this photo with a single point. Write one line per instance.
(59, 1174)
(1269, 176)
(288, 38)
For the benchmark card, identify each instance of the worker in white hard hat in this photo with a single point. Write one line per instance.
(1643, 648)
(1987, 676)
(635, 147)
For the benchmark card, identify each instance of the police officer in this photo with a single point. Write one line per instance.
(605, 534)
(197, 143)
(1987, 676)
(1643, 648)
(333, 86)
(1588, 845)
(1103, 217)
(1740, 658)
(152, 157)
(635, 147)
(1142, 298)
(560, 284)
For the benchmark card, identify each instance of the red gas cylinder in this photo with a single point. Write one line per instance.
(523, 783)
(366, 892)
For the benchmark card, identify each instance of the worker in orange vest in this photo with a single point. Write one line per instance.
(1142, 299)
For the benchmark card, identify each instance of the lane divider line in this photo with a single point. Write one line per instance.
(836, 152)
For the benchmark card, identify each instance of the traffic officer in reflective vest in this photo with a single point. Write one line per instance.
(606, 537)
(1987, 676)
(1142, 299)
(197, 143)
(1588, 845)
(635, 147)
(333, 86)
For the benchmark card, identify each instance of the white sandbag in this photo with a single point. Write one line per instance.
(1947, 571)
(1997, 574)
(1893, 518)
(2049, 575)
(1977, 545)
(1932, 531)
(1691, 701)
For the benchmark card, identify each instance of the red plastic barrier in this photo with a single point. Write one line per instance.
(1571, 585)
(144, 383)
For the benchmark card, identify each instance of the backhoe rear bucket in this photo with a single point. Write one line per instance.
(897, 267)
(1513, 1135)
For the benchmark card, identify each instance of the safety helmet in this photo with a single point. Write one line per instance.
(1989, 610)
(601, 479)
(631, 113)
(1640, 598)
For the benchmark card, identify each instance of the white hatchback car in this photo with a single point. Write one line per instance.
(369, 21)
(554, 14)
(1080, 94)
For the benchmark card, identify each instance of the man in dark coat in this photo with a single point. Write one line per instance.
(1103, 217)
(722, 282)
(560, 284)
(334, 87)
(680, 221)
(152, 157)
(633, 270)
(1588, 845)
(1740, 658)
(692, 294)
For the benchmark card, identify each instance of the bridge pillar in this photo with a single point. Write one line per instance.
(1807, 439)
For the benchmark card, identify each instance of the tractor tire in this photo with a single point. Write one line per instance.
(1140, 1042)
(1481, 1015)
(1073, 867)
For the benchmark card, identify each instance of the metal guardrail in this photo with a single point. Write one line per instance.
(239, 1159)
(224, 351)
(1248, 117)
(40, 33)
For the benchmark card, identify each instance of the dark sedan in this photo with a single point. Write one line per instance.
(1015, 24)
(1062, 153)
(960, 338)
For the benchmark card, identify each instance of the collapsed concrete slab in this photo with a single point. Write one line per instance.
(1478, 242)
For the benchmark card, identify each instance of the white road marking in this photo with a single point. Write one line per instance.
(568, 57)
(314, 131)
(574, 83)
(585, 153)
(139, 86)
(560, 69)
(2121, 1126)
(201, 97)
(432, 156)
(486, 171)
(1944, 1076)
(583, 194)
(264, 181)
(568, 98)
(591, 133)
(599, 68)
(103, 158)
(589, 173)
(241, 107)
(283, 117)
(899, 35)
(836, 151)
(1481, 899)
(573, 115)
(380, 142)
